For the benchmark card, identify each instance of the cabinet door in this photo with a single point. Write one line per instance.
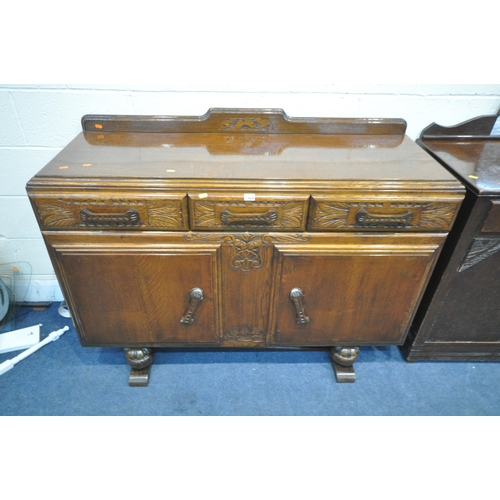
(124, 291)
(352, 291)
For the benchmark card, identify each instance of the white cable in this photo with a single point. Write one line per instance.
(9, 364)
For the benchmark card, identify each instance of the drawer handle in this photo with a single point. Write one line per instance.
(129, 218)
(367, 219)
(229, 218)
(296, 295)
(195, 297)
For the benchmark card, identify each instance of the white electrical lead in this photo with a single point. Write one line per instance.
(9, 364)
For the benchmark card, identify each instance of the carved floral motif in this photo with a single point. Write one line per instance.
(56, 213)
(246, 252)
(246, 248)
(292, 214)
(244, 334)
(163, 213)
(246, 124)
(331, 215)
(437, 215)
(204, 213)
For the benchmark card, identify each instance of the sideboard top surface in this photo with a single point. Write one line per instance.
(252, 147)
(476, 163)
(471, 150)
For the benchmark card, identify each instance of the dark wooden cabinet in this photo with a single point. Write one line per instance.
(243, 228)
(459, 318)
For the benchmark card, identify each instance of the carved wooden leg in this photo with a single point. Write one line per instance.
(342, 360)
(140, 360)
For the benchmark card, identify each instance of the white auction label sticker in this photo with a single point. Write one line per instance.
(249, 197)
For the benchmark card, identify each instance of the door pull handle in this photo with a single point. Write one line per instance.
(296, 295)
(195, 297)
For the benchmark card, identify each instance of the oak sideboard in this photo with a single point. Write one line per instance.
(243, 228)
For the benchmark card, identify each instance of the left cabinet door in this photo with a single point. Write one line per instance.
(138, 290)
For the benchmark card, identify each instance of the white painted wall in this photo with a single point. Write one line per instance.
(37, 121)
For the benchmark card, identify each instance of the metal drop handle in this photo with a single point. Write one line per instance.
(195, 297)
(296, 295)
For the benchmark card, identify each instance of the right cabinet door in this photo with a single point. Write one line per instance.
(351, 289)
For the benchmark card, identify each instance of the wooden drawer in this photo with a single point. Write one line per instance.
(244, 211)
(330, 213)
(127, 211)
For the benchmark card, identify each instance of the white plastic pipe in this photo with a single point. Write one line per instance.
(9, 364)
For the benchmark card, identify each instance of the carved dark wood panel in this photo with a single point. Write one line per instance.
(481, 249)
(459, 317)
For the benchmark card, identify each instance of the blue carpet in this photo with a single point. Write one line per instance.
(63, 378)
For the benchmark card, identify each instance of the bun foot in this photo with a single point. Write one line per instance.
(140, 360)
(342, 359)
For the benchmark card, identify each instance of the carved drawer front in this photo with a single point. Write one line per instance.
(340, 214)
(166, 212)
(244, 211)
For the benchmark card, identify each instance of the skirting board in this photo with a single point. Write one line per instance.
(38, 290)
